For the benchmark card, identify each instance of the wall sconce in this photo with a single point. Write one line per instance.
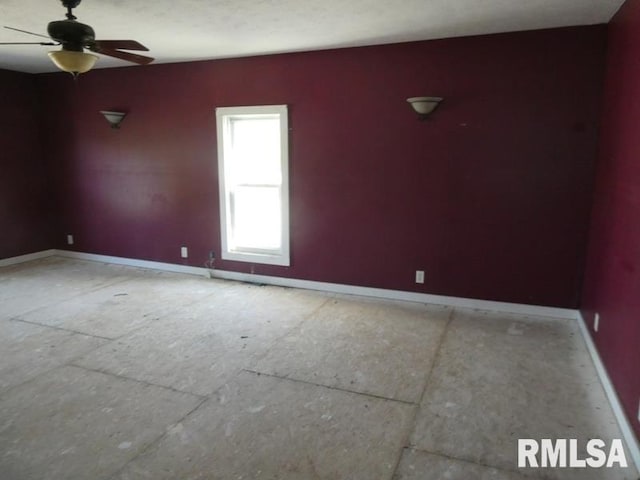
(114, 118)
(424, 106)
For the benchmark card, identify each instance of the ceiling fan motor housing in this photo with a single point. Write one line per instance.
(71, 34)
(71, 3)
(75, 37)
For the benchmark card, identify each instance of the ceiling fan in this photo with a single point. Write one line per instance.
(75, 37)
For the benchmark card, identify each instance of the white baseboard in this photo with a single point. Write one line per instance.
(131, 262)
(633, 446)
(505, 307)
(459, 302)
(5, 262)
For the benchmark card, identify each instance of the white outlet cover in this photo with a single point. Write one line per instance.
(184, 253)
(596, 322)
(419, 276)
(69, 239)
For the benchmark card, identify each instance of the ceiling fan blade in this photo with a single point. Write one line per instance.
(129, 57)
(25, 31)
(29, 43)
(121, 45)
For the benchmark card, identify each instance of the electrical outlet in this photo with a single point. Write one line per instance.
(596, 322)
(638, 410)
(69, 239)
(184, 253)
(419, 276)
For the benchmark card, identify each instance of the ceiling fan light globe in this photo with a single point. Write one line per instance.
(73, 62)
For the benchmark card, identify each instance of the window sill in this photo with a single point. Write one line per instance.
(267, 259)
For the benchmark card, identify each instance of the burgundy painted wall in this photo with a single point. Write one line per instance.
(26, 213)
(491, 196)
(612, 281)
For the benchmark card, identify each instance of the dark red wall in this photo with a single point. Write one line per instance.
(26, 213)
(612, 283)
(491, 196)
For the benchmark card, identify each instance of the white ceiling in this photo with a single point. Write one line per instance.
(185, 30)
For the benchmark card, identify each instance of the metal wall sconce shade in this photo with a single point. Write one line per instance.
(114, 118)
(424, 106)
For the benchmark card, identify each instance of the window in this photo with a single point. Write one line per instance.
(254, 183)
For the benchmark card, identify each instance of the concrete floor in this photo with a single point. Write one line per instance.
(110, 372)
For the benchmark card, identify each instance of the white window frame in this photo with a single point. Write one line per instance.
(224, 115)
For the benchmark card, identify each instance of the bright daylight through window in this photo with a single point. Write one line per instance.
(253, 176)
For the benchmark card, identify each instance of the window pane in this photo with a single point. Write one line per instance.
(253, 158)
(256, 218)
(255, 150)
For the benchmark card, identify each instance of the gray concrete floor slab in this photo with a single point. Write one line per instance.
(199, 347)
(258, 426)
(119, 373)
(120, 308)
(418, 465)
(76, 424)
(28, 350)
(502, 377)
(45, 282)
(377, 347)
